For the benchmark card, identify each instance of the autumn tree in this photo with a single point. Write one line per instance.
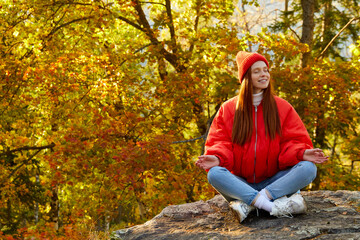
(105, 105)
(325, 79)
(88, 125)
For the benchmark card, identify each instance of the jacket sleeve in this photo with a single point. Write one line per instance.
(294, 140)
(219, 141)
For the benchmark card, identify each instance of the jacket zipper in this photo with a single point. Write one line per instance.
(256, 135)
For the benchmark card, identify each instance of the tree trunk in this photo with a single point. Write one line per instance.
(326, 34)
(36, 214)
(54, 204)
(286, 14)
(308, 7)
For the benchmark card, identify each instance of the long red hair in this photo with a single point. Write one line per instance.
(243, 119)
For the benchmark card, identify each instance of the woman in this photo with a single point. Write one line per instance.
(258, 150)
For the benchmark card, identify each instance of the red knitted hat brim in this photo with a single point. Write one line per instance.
(245, 60)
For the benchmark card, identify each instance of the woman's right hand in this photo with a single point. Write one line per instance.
(315, 155)
(207, 161)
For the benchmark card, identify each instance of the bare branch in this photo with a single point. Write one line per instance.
(68, 23)
(196, 24)
(25, 162)
(68, 3)
(26, 148)
(171, 25)
(162, 68)
(145, 23)
(155, 3)
(136, 51)
(146, 28)
(337, 35)
(171, 58)
(293, 31)
(190, 140)
(131, 23)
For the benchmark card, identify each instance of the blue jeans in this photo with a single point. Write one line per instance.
(282, 183)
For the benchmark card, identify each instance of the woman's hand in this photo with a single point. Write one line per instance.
(315, 155)
(207, 161)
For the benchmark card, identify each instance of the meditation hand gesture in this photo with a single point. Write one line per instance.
(315, 155)
(207, 161)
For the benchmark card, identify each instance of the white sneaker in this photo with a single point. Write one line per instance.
(240, 209)
(281, 208)
(285, 207)
(300, 206)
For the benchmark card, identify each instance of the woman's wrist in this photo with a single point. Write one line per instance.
(218, 160)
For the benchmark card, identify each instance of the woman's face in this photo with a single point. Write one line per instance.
(260, 76)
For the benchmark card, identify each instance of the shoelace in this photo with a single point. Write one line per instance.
(287, 215)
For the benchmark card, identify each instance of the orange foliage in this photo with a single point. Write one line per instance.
(93, 99)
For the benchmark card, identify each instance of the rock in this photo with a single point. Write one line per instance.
(330, 215)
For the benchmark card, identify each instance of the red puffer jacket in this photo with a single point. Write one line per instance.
(271, 155)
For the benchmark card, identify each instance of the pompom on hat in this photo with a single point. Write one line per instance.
(245, 60)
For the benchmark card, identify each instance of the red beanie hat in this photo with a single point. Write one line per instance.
(245, 60)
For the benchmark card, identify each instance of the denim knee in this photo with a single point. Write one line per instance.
(310, 169)
(214, 172)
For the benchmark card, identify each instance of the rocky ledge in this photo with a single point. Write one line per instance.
(330, 215)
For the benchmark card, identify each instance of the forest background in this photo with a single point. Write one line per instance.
(105, 104)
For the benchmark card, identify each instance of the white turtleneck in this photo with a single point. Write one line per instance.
(257, 98)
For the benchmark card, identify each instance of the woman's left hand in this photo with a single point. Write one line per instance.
(207, 161)
(315, 155)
